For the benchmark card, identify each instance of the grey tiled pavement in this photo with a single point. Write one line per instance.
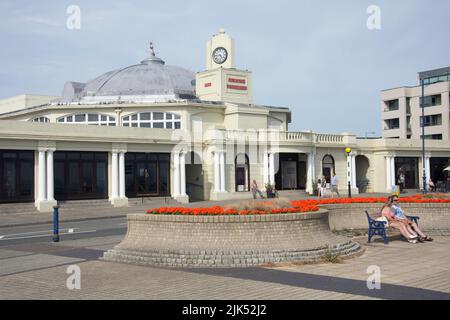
(408, 271)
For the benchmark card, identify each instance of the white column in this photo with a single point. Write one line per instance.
(353, 171)
(427, 168)
(266, 168)
(310, 174)
(313, 166)
(393, 181)
(388, 173)
(122, 175)
(182, 174)
(216, 172)
(50, 177)
(222, 172)
(176, 174)
(271, 168)
(349, 169)
(42, 193)
(114, 177)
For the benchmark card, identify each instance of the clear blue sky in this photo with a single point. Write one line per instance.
(316, 57)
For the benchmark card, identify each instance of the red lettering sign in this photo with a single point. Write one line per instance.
(236, 80)
(230, 86)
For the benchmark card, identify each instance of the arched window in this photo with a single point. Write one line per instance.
(161, 120)
(41, 119)
(95, 119)
(328, 167)
(242, 173)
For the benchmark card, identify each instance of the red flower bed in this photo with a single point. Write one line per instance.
(221, 211)
(411, 199)
(298, 206)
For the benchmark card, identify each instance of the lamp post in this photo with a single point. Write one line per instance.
(349, 171)
(424, 174)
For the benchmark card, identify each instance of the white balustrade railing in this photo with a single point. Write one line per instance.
(284, 136)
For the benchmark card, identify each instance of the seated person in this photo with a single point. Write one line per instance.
(412, 227)
(431, 185)
(388, 213)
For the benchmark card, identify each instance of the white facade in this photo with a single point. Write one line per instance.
(184, 148)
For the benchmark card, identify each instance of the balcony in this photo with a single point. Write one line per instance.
(286, 136)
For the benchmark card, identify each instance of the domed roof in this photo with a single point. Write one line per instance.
(152, 79)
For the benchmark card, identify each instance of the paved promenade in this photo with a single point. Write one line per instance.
(408, 271)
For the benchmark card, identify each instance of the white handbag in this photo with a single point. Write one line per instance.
(383, 219)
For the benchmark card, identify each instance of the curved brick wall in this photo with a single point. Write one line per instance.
(228, 241)
(433, 216)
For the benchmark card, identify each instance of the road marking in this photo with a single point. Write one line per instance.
(70, 230)
(33, 232)
(47, 235)
(1, 237)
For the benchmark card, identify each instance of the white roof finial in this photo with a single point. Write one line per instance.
(221, 30)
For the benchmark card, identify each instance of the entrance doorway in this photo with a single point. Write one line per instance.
(16, 176)
(242, 173)
(147, 174)
(437, 173)
(194, 177)
(362, 169)
(410, 167)
(291, 174)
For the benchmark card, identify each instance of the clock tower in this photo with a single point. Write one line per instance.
(222, 81)
(220, 51)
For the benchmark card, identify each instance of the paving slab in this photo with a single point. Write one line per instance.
(33, 262)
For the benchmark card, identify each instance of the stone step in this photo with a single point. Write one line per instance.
(84, 203)
(225, 258)
(17, 208)
(151, 201)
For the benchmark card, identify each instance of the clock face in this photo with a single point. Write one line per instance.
(220, 55)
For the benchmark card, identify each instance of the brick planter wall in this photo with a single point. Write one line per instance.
(433, 216)
(228, 241)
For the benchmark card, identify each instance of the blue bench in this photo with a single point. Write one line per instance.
(378, 228)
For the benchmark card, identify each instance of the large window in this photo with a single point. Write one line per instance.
(392, 124)
(437, 79)
(431, 120)
(160, 120)
(81, 175)
(95, 119)
(16, 176)
(431, 101)
(41, 119)
(392, 105)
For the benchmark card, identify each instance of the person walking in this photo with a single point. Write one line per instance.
(334, 185)
(401, 180)
(322, 183)
(254, 188)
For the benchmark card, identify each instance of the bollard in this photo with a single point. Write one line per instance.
(349, 190)
(56, 224)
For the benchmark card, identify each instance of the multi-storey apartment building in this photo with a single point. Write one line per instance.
(402, 114)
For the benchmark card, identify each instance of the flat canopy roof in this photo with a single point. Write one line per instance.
(434, 73)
